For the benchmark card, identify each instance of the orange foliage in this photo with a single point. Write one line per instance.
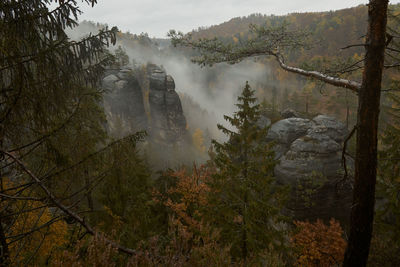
(192, 242)
(99, 253)
(198, 140)
(319, 244)
(193, 191)
(51, 234)
(35, 233)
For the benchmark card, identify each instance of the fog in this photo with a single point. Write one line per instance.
(192, 81)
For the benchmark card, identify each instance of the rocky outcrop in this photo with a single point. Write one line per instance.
(263, 122)
(168, 122)
(309, 153)
(123, 102)
(137, 100)
(289, 113)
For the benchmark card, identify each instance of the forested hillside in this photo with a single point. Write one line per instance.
(328, 32)
(335, 40)
(255, 142)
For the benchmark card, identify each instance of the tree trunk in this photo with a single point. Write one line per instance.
(244, 235)
(244, 220)
(347, 109)
(88, 191)
(362, 213)
(4, 252)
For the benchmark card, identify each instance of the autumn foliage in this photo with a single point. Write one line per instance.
(44, 235)
(191, 241)
(97, 253)
(35, 233)
(187, 198)
(318, 244)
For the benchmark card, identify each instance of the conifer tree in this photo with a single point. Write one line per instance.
(125, 195)
(276, 42)
(246, 199)
(51, 119)
(386, 241)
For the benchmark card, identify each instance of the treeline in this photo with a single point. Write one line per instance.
(328, 34)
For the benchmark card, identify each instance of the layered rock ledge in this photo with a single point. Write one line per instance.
(310, 161)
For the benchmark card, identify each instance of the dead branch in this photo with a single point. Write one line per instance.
(394, 65)
(21, 198)
(352, 85)
(63, 208)
(344, 153)
(354, 45)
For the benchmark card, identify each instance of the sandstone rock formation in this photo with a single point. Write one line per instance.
(144, 100)
(289, 113)
(123, 102)
(309, 153)
(168, 122)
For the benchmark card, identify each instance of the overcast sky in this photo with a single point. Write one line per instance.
(157, 17)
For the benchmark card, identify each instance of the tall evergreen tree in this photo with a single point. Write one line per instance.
(125, 195)
(246, 199)
(277, 42)
(51, 119)
(386, 225)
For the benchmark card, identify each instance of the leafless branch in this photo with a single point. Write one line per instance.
(21, 198)
(393, 49)
(138, 136)
(351, 85)
(63, 208)
(394, 65)
(344, 153)
(24, 211)
(354, 45)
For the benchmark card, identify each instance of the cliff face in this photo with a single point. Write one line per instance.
(310, 161)
(123, 102)
(168, 124)
(144, 99)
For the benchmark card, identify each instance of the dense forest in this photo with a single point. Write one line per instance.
(261, 141)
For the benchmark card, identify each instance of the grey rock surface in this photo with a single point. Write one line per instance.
(263, 122)
(126, 102)
(287, 130)
(309, 154)
(331, 127)
(109, 81)
(169, 123)
(290, 113)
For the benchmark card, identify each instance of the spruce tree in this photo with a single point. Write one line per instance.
(51, 118)
(386, 242)
(277, 43)
(125, 194)
(246, 200)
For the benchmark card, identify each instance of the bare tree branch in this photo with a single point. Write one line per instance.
(352, 85)
(66, 210)
(268, 43)
(354, 45)
(394, 65)
(21, 198)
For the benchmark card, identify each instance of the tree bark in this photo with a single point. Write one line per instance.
(244, 215)
(362, 213)
(4, 252)
(88, 191)
(352, 85)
